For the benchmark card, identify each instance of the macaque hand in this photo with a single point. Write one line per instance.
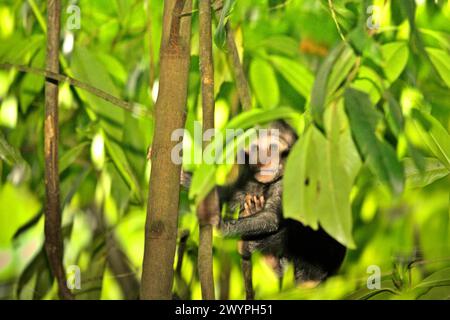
(253, 204)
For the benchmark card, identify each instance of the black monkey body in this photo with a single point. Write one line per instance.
(314, 254)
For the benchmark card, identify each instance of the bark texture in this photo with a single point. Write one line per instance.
(53, 237)
(162, 209)
(208, 211)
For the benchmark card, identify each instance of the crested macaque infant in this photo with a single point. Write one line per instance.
(257, 195)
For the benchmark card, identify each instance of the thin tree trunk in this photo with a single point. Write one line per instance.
(242, 86)
(53, 237)
(208, 211)
(162, 210)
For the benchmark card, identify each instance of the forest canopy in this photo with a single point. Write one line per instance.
(91, 90)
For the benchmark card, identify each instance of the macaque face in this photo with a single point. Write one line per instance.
(267, 156)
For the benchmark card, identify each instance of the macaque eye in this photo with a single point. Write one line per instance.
(274, 146)
(285, 153)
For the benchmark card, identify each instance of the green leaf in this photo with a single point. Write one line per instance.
(439, 278)
(441, 37)
(264, 83)
(301, 179)
(341, 69)
(366, 293)
(319, 177)
(253, 117)
(319, 91)
(415, 178)
(379, 155)
(88, 68)
(121, 162)
(18, 50)
(441, 61)
(434, 135)
(395, 55)
(36, 277)
(70, 156)
(370, 82)
(297, 75)
(114, 67)
(32, 84)
(18, 206)
(220, 36)
(8, 153)
(393, 112)
(281, 44)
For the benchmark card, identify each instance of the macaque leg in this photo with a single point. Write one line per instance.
(253, 204)
(246, 265)
(248, 281)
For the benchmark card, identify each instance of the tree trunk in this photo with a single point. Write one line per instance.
(162, 210)
(53, 238)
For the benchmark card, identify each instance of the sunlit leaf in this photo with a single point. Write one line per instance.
(17, 206)
(395, 56)
(123, 166)
(439, 278)
(87, 67)
(264, 83)
(415, 178)
(441, 61)
(297, 75)
(434, 135)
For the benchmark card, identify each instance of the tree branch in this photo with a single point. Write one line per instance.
(57, 77)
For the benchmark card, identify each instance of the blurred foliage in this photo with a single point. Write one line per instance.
(371, 106)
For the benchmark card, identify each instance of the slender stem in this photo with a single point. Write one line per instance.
(53, 236)
(333, 14)
(208, 211)
(57, 77)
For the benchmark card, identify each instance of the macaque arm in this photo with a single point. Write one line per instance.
(263, 222)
